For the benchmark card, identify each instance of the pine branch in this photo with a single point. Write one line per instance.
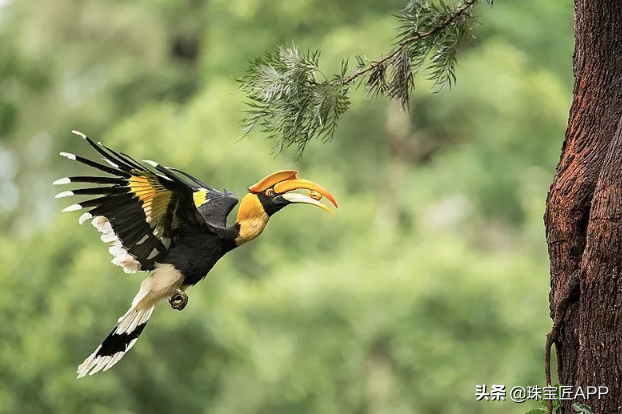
(415, 37)
(293, 102)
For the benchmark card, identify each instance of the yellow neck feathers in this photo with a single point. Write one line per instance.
(252, 219)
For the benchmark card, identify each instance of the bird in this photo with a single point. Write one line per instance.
(163, 220)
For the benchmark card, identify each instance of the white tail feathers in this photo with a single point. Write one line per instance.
(158, 287)
(121, 339)
(130, 321)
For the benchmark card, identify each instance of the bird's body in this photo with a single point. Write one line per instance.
(175, 227)
(195, 252)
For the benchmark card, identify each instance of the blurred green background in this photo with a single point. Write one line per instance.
(432, 279)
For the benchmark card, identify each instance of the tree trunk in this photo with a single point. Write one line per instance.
(584, 211)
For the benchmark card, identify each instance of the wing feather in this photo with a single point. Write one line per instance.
(138, 209)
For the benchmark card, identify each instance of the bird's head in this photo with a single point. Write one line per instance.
(270, 195)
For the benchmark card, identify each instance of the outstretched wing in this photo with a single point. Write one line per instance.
(138, 210)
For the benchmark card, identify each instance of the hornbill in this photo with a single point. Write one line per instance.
(166, 221)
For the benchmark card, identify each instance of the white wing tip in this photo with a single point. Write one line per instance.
(152, 163)
(84, 217)
(68, 155)
(64, 194)
(62, 181)
(72, 207)
(78, 133)
(110, 162)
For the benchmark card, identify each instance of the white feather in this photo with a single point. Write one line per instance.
(161, 285)
(84, 217)
(62, 181)
(99, 364)
(84, 367)
(110, 162)
(128, 323)
(121, 256)
(64, 194)
(79, 133)
(88, 363)
(99, 222)
(72, 207)
(68, 155)
(108, 237)
(164, 177)
(115, 359)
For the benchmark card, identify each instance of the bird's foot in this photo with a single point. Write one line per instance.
(179, 300)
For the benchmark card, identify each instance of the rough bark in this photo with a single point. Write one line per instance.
(584, 210)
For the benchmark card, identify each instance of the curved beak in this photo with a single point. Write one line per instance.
(315, 193)
(303, 199)
(299, 183)
(284, 182)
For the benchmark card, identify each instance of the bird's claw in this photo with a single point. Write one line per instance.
(179, 300)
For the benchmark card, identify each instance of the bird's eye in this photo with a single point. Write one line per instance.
(270, 192)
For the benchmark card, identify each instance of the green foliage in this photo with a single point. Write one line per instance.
(288, 103)
(432, 278)
(557, 408)
(287, 100)
(582, 408)
(429, 27)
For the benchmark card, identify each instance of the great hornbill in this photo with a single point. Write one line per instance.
(166, 221)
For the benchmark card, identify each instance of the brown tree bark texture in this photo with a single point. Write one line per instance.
(584, 210)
